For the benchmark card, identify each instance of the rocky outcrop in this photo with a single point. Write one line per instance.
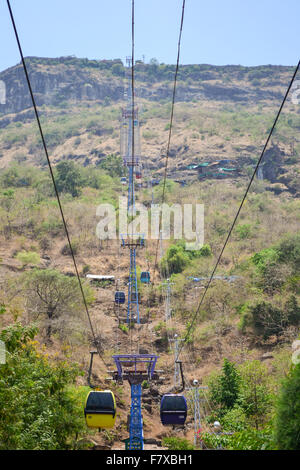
(55, 81)
(54, 85)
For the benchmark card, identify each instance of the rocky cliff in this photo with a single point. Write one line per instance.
(70, 79)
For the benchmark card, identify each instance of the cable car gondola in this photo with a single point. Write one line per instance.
(100, 409)
(145, 277)
(138, 175)
(120, 297)
(173, 409)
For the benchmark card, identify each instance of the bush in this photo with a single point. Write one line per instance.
(123, 328)
(271, 273)
(66, 248)
(52, 227)
(287, 422)
(234, 419)
(289, 251)
(248, 439)
(268, 320)
(86, 268)
(174, 261)
(177, 443)
(264, 258)
(205, 250)
(28, 257)
(244, 231)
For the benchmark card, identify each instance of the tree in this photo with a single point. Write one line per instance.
(292, 310)
(54, 296)
(40, 407)
(287, 421)
(7, 201)
(289, 251)
(175, 260)
(113, 165)
(153, 67)
(224, 389)
(117, 69)
(268, 320)
(68, 179)
(255, 393)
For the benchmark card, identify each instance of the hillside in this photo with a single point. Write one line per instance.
(222, 113)
(251, 314)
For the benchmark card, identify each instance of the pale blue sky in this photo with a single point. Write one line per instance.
(246, 32)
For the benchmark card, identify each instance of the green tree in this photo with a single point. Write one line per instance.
(289, 251)
(40, 407)
(7, 201)
(287, 420)
(174, 261)
(267, 319)
(68, 178)
(224, 388)
(255, 393)
(292, 310)
(113, 165)
(117, 69)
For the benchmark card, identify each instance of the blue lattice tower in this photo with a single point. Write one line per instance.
(133, 313)
(135, 368)
(136, 435)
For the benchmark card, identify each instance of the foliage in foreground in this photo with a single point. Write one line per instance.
(287, 423)
(241, 398)
(248, 439)
(177, 443)
(40, 407)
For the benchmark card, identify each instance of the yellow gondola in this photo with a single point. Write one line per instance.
(100, 409)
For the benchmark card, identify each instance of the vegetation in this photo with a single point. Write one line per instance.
(242, 399)
(28, 257)
(224, 389)
(177, 443)
(253, 304)
(55, 297)
(68, 178)
(287, 421)
(40, 407)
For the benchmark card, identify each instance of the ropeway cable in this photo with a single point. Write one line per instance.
(240, 208)
(96, 341)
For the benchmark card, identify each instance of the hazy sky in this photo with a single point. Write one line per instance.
(247, 32)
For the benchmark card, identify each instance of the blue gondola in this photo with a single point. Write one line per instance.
(120, 297)
(173, 409)
(145, 277)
